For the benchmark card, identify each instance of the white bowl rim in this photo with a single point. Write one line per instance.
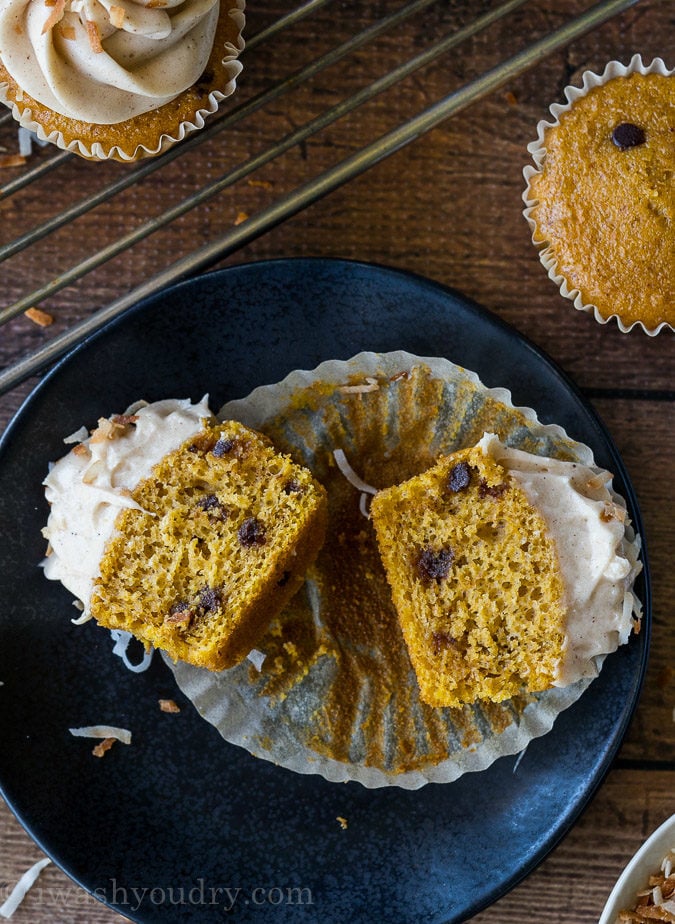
(647, 860)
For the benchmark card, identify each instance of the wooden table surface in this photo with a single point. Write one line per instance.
(447, 206)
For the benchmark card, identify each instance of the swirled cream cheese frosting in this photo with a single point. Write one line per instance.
(598, 566)
(106, 61)
(87, 488)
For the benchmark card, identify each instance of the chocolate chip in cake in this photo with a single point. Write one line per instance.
(434, 565)
(222, 447)
(627, 135)
(252, 532)
(211, 505)
(459, 477)
(210, 599)
(292, 487)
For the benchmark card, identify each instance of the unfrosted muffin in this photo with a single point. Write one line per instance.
(120, 81)
(601, 201)
(191, 544)
(507, 572)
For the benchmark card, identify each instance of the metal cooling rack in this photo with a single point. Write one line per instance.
(288, 204)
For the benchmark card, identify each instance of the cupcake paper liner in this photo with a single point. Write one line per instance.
(336, 694)
(537, 149)
(97, 151)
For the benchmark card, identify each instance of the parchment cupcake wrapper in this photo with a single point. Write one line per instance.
(538, 151)
(391, 740)
(96, 151)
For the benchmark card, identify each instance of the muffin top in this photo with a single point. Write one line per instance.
(604, 205)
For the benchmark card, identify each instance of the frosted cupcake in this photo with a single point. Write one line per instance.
(600, 197)
(187, 533)
(120, 79)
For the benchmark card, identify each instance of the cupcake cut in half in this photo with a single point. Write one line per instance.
(508, 572)
(118, 80)
(200, 553)
(600, 198)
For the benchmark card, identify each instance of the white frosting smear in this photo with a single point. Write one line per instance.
(587, 523)
(104, 61)
(88, 487)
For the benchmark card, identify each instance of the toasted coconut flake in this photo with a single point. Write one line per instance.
(67, 31)
(12, 160)
(81, 450)
(350, 474)
(241, 218)
(20, 890)
(100, 749)
(117, 16)
(39, 317)
(103, 431)
(597, 481)
(77, 437)
(168, 705)
(261, 184)
(342, 822)
(369, 385)
(102, 731)
(94, 37)
(55, 16)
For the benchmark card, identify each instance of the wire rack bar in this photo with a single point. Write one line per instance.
(243, 170)
(303, 196)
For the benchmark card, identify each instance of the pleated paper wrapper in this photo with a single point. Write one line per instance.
(336, 694)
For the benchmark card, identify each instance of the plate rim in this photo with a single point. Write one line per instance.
(604, 764)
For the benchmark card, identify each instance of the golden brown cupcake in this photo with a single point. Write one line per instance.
(601, 200)
(118, 80)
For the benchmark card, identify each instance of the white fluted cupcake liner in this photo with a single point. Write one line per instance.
(97, 151)
(537, 149)
(318, 703)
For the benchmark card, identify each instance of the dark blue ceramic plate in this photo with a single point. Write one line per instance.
(181, 826)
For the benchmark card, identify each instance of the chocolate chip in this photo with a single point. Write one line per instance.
(209, 600)
(459, 477)
(222, 447)
(284, 579)
(252, 532)
(211, 505)
(292, 487)
(626, 135)
(434, 565)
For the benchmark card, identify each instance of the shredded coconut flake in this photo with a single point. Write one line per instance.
(121, 640)
(19, 891)
(102, 731)
(55, 16)
(256, 658)
(80, 621)
(370, 384)
(364, 508)
(26, 139)
(79, 436)
(350, 474)
(518, 759)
